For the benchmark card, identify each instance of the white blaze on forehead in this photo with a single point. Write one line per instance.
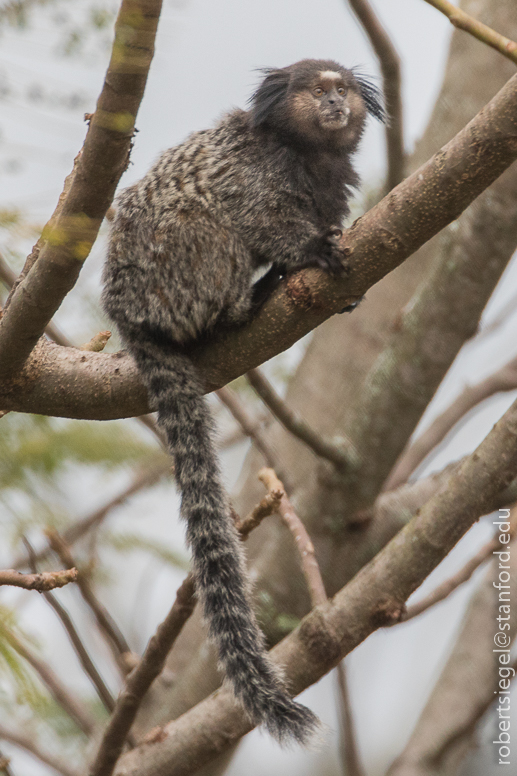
(331, 75)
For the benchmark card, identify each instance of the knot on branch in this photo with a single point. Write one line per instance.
(301, 294)
(155, 736)
(321, 643)
(387, 612)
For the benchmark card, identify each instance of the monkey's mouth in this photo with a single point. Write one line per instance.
(336, 119)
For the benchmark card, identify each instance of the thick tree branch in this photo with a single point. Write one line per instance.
(103, 160)
(447, 587)
(107, 386)
(462, 20)
(8, 277)
(141, 678)
(389, 62)
(505, 379)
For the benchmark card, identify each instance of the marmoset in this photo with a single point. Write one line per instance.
(269, 185)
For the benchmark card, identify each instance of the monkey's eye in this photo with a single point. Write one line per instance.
(341, 90)
(318, 91)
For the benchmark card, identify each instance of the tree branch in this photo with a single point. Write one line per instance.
(103, 160)
(389, 62)
(304, 546)
(46, 580)
(266, 507)
(5, 765)
(374, 598)
(251, 427)
(462, 20)
(106, 386)
(114, 638)
(80, 650)
(8, 277)
(340, 454)
(349, 750)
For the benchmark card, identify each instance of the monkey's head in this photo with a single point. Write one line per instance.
(316, 102)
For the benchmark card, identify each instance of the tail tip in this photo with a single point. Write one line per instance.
(289, 722)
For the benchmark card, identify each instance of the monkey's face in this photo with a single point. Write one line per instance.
(327, 108)
(317, 102)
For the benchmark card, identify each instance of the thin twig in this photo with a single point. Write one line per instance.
(389, 62)
(268, 506)
(149, 421)
(505, 379)
(155, 655)
(463, 21)
(249, 425)
(341, 455)
(304, 545)
(107, 626)
(27, 742)
(46, 580)
(80, 650)
(143, 479)
(349, 750)
(97, 343)
(57, 689)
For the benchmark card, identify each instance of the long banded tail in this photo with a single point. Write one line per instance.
(218, 558)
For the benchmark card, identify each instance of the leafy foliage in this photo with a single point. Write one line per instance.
(40, 446)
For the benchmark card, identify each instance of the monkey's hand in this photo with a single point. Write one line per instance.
(325, 253)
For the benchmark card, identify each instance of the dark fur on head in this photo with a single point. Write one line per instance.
(285, 102)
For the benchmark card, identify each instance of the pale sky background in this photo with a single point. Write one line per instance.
(206, 58)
